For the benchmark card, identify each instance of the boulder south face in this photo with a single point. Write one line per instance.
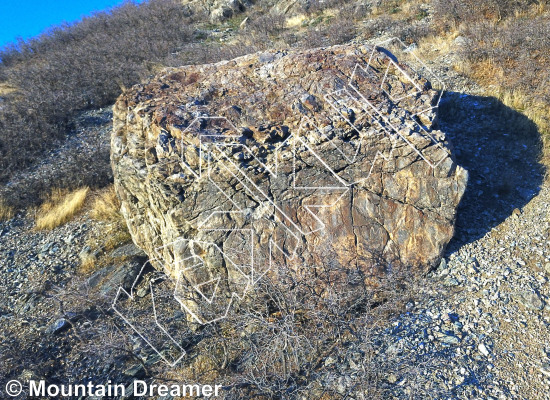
(232, 170)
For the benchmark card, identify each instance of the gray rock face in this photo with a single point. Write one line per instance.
(231, 170)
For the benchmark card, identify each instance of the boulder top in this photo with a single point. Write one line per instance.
(278, 88)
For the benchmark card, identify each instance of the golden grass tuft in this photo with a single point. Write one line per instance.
(88, 266)
(6, 211)
(431, 47)
(106, 206)
(6, 89)
(106, 209)
(296, 21)
(60, 207)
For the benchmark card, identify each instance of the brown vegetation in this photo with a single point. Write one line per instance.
(60, 207)
(6, 211)
(507, 51)
(105, 209)
(76, 67)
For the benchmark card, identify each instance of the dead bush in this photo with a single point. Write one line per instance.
(80, 66)
(452, 13)
(268, 24)
(279, 343)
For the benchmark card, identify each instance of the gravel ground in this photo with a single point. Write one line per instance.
(483, 331)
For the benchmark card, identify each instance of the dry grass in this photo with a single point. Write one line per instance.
(296, 21)
(6, 211)
(433, 46)
(106, 209)
(60, 207)
(6, 88)
(88, 266)
(106, 206)
(488, 74)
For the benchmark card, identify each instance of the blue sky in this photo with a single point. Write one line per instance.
(27, 18)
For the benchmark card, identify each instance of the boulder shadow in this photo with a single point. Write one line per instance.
(501, 149)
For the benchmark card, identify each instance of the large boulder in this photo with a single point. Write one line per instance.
(285, 159)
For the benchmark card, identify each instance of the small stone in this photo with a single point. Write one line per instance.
(135, 371)
(483, 349)
(531, 300)
(58, 326)
(450, 339)
(330, 361)
(461, 41)
(451, 282)
(516, 212)
(392, 378)
(69, 239)
(142, 291)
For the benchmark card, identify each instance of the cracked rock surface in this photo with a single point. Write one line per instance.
(284, 158)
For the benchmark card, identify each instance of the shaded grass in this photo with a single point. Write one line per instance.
(6, 211)
(507, 53)
(106, 209)
(106, 206)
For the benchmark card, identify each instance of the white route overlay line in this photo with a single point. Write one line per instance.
(378, 115)
(211, 149)
(143, 335)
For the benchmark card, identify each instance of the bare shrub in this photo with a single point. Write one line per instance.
(280, 342)
(266, 25)
(80, 66)
(455, 12)
(413, 32)
(340, 31)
